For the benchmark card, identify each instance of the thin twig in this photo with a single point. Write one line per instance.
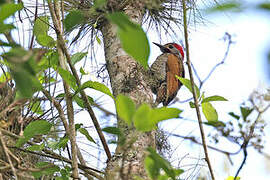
(194, 140)
(5, 149)
(33, 36)
(55, 13)
(230, 42)
(246, 142)
(85, 99)
(59, 109)
(227, 37)
(194, 91)
(51, 154)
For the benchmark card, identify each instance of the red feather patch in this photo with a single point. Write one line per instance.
(179, 48)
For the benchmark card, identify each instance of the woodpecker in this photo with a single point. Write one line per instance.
(164, 69)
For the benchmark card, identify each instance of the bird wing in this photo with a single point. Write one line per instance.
(174, 67)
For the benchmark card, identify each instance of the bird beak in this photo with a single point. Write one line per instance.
(162, 48)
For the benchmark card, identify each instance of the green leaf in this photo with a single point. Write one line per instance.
(112, 130)
(65, 173)
(245, 111)
(264, 5)
(98, 40)
(191, 104)
(47, 169)
(152, 169)
(4, 77)
(41, 26)
(68, 77)
(9, 9)
(146, 118)
(35, 107)
(133, 39)
(39, 127)
(26, 83)
(45, 40)
(97, 86)
(234, 115)
(161, 163)
(80, 102)
(215, 123)
(78, 126)
(142, 120)
(6, 27)
(36, 147)
(82, 71)
(164, 113)
(209, 112)
(116, 131)
(23, 69)
(62, 143)
(214, 98)
(187, 84)
(226, 6)
(74, 18)
(77, 57)
(86, 134)
(99, 3)
(125, 108)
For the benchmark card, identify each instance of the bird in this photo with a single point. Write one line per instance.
(164, 70)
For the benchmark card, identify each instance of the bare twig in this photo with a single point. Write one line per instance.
(194, 91)
(193, 139)
(5, 149)
(56, 17)
(59, 109)
(33, 36)
(51, 154)
(228, 37)
(85, 98)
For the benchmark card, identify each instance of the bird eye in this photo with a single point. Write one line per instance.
(170, 46)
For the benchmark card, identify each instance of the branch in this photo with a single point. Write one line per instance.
(226, 36)
(55, 13)
(51, 154)
(250, 135)
(193, 139)
(6, 151)
(84, 96)
(194, 92)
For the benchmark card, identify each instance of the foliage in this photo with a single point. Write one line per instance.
(208, 109)
(144, 117)
(133, 38)
(32, 70)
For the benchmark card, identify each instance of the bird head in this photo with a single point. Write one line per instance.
(171, 48)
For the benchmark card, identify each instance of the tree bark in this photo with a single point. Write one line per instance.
(127, 77)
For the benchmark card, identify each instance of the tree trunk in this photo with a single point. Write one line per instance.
(127, 78)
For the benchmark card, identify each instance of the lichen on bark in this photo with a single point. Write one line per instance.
(127, 77)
